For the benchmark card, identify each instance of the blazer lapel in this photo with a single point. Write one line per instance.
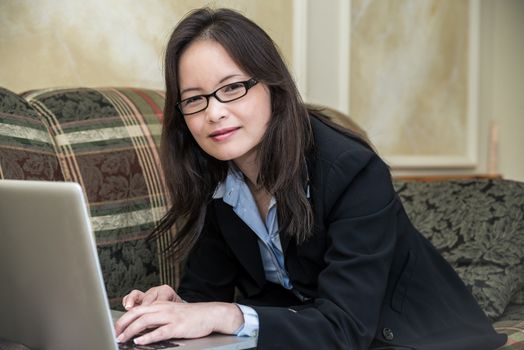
(242, 241)
(284, 241)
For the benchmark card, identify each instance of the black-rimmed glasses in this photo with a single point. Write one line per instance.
(226, 93)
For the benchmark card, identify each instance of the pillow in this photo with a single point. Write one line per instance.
(107, 140)
(26, 149)
(478, 226)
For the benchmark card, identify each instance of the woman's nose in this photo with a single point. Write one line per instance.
(215, 110)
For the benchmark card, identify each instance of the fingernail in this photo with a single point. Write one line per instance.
(119, 338)
(138, 341)
(128, 306)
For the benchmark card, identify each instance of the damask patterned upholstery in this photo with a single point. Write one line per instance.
(26, 148)
(478, 226)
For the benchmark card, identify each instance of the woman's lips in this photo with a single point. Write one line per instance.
(223, 134)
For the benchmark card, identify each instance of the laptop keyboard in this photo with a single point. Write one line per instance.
(166, 344)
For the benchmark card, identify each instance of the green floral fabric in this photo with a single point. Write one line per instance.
(107, 140)
(26, 148)
(513, 312)
(478, 226)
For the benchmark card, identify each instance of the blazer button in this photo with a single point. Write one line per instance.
(388, 334)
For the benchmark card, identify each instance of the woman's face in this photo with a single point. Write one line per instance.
(225, 131)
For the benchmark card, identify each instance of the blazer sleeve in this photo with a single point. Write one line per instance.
(360, 213)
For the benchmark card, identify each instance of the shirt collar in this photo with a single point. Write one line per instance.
(229, 189)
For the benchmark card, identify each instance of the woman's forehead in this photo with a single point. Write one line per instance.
(205, 62)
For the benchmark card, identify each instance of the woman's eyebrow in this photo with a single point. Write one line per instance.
(227, 77)
(189, 89)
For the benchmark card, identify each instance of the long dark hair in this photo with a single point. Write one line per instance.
(191, 174)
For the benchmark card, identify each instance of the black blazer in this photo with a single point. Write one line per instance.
(367, 279)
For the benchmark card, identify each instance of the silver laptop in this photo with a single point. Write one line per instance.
(52, 294)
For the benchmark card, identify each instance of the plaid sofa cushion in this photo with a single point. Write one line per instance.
(512, 324)
(107, 141)
(478, 226)
(515, 332)
(26, 149)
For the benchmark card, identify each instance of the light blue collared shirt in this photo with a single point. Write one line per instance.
(235, 192)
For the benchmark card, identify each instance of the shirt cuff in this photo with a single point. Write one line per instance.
(251, 325)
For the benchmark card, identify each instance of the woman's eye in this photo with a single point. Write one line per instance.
(231, 88)
(193, 100)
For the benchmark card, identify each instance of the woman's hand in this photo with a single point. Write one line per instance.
(160, 293)
(168, 319)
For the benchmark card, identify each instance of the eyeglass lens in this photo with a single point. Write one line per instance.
(227, 93)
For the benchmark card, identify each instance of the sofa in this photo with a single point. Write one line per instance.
(107, 139)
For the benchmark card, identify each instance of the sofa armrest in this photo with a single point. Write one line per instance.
(107, 140)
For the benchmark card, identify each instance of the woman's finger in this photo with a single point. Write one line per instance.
(138, 320)
(132, 299)
(156, 335)
(166, 293)
(150, 296)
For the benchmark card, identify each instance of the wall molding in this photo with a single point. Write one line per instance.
(344, 63)
(300, 13)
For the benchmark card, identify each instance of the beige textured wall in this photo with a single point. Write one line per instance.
(409, 74)
(407, 71)
(50, 43)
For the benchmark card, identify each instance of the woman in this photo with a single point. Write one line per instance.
(287, 214)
